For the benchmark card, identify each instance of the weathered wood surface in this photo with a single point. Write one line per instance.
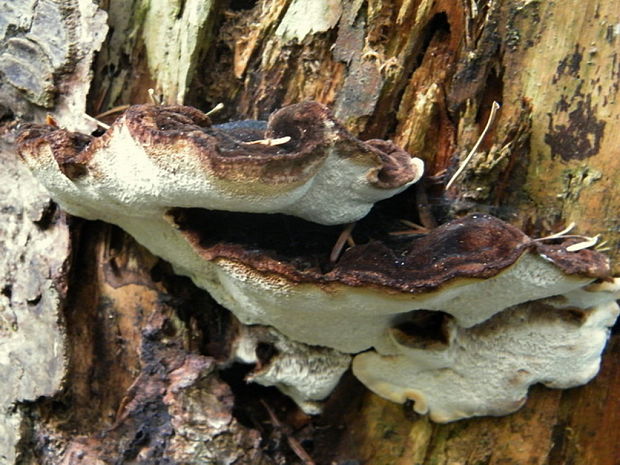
(46, 53)
(34, 240)
(140, 379)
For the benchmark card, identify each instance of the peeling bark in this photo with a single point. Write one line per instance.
(47, 48)
(34, 238)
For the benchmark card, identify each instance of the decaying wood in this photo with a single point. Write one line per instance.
(105, 357)
(138, 391)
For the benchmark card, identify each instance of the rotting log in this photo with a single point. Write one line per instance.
(422, 73)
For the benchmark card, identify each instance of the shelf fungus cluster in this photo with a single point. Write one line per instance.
(461, 320)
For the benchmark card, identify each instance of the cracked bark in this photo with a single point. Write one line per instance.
(104, 355)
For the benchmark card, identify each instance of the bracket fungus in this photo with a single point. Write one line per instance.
(307, 374)
(487, 369)
(461, 320)
(301, 162)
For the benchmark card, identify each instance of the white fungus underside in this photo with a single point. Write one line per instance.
(307, 374)
(487, 370)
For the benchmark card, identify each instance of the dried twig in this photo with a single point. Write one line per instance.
(215, 109)
(154, 98)
(414, 229)
(589, 242)
(557, 235)
(423, 206)
(292, 442)
(112, 111)
(586, 243)
(95, 120)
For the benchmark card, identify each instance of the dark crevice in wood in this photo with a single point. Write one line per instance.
(493, 92)
(241, 5)
(508, 190)
(6, 114)
(87, 314)
(307, 245)
(438, 28)
(384, 122)
(559, 441)
(213, 329)
(336, 439)
(473, 69)
(249, 410)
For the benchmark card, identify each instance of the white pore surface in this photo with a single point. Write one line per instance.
(487, 369)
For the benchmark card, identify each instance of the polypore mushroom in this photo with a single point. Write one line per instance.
(471, 269)
(487, 369)
(307, 374)
(301, 162)
(160, 173)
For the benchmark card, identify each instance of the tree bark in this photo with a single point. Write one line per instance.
(107, 357)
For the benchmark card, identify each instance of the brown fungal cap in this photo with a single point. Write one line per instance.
(68, 148)
(394, 161)
(477, 246)
(228, 152)
(586, 262)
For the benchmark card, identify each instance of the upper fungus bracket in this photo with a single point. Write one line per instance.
(156, 157)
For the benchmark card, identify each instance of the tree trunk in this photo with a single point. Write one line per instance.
(107, 357)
